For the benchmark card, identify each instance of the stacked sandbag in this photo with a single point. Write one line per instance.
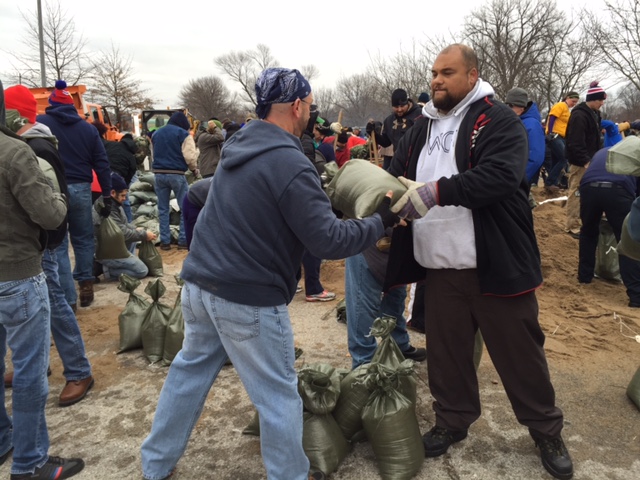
(131, 318)
(322, 439)
(154, 325)
(150, 256)
(633, 390)
(175, 328)
(390, 422)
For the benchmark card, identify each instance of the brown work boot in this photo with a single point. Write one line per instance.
(74, 391)
(86, 292)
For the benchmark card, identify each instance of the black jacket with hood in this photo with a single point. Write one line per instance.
(491, 154)
(583, 137)
(394, 127)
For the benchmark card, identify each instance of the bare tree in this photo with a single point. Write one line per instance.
(243, 68)
(410, 69)
(115, 87)
(64, 50)
(206, 97)
(310, 72)
(514, 41)
(359, 98)
(617, 34)
(325, 99)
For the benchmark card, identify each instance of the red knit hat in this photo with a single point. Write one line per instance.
(60, 96)
(21, 99)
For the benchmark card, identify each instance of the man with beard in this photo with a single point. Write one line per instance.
(264, 207)
(472, 241)
(395, 125)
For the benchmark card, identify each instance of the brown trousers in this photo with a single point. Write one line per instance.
(573, 198)
(454, 310)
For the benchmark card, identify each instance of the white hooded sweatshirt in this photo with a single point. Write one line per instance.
(444, 237)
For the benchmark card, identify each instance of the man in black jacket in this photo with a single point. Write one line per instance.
(397, 124)
(583, 140)
(472, 241)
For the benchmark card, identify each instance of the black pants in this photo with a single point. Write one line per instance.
(455, 309)
(615, 202)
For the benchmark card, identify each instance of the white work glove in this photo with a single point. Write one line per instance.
(417, 200)
(336, 127)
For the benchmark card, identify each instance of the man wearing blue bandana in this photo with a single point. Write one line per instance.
(264, 207)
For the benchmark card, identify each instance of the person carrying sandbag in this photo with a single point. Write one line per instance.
(116, 238)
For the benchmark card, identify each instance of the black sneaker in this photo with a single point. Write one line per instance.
(438, 440)
(415, 354)
(318, 475)
(555, 457)
(55, 467)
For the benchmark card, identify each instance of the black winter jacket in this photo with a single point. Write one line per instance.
(46, 150)
(121, 157)
(394, 128)
(491, 155)
(583, 138)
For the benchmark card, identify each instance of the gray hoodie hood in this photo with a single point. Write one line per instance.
(40, 130)
(480, 90)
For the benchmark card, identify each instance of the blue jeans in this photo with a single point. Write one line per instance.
(24, 326)
(64, 324)
(82, 240)
(365, 303)
(259, 342)
(132, 266)
(165, 183)
(558, 161)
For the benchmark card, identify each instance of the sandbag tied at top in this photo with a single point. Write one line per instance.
(131, 318)
(319, 388)
(154, 325)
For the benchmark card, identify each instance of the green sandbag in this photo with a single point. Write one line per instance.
(175, 329)
(624, 157)
(154, 325)
(478, 346)
(607, 265)
(633, 390)
(254, 426)
(341, 311)
(150, 256)
(353, 397)
(323, 442)
(146, 210)
(359, 187)
(628, 246)
(131, 318)
(143, 197)
(141, 187)
(319, 388)
(110, 241)
(387, 352)
(330, 170)
(391, 426)
(148, 177)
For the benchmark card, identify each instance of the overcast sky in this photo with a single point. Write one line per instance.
(172, 44)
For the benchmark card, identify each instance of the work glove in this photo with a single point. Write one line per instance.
(336, 127)
(370, 127)
(417, 200)
(389, 219)
(196, 172)
(622, 126)
(105, 211)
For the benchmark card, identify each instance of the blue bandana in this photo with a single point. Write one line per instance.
(279, 85)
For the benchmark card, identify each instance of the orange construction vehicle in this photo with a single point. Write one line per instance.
(89, 111)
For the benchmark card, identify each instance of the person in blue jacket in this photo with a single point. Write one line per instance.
(518, 100)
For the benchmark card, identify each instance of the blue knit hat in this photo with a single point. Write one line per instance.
(117, 182)
(279, 85)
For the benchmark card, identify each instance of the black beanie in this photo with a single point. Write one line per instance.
(399, 98)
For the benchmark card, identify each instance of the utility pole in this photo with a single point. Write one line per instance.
(43, 75)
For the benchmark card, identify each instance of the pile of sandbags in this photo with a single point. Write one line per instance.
(374, 402)
(153, 326)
